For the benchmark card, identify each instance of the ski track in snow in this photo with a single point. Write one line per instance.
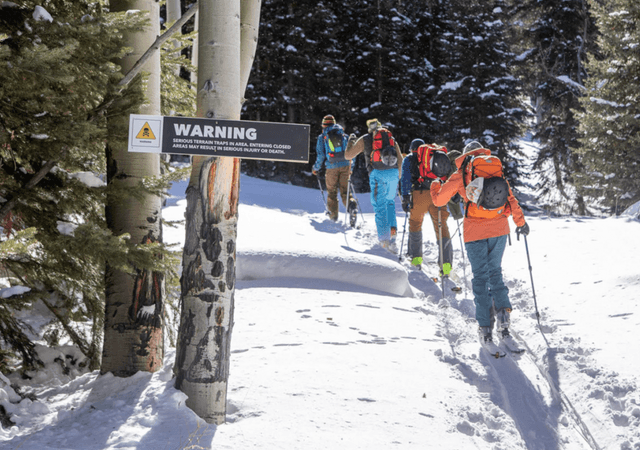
(526, 389)
(522, 391)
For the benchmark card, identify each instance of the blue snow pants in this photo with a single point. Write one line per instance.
(384, 185)
(485, 257)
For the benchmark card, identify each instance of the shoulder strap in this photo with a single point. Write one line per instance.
(385, 139)
(463, 169)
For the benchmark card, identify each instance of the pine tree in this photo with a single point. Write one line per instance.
(375, 64)
(283, 86)
(422, 53)
(57, 72)
(610, 123)
(58, 82)
(478, 97)
(553, 43)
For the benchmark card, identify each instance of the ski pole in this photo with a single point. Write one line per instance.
(533, 289)
(353, 192)
(441, 249)
(326, 208)
(404, 231)
(451, 239)
(464, 262)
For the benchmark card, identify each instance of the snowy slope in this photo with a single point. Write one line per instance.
(338, 346)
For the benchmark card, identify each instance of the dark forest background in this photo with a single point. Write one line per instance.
(447, 71)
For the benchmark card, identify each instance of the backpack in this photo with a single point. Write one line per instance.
(384, 154)
(433, 162)
(486, 187)
(336, 142)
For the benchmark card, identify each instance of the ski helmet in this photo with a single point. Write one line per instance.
(471, 146)
(373, 125)
(415, 144)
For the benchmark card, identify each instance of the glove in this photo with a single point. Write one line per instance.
(315, 172)
(407, 204)
(524, 230)
(352, 137)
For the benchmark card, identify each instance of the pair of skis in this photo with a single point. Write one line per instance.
(507, 344)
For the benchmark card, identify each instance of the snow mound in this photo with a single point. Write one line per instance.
(365, 270)
(633, 211)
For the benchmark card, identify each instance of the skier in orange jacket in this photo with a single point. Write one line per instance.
(485, 241)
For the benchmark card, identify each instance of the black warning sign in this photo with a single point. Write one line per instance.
(216, 137)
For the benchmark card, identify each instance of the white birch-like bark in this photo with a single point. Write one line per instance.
(249, 23)
(208, 276)
(174, 12)
(133, 336)
(194, 52)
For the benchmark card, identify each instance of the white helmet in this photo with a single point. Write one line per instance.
(471, 146)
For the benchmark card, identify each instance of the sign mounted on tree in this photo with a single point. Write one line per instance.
(216, 137)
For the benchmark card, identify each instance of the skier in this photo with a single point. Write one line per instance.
(416, 201)
(485, 241)
(337, 167)
(383, 160)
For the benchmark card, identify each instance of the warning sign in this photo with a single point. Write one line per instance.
(146, 132)
(215, 137)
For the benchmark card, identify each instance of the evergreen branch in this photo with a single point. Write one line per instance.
(82, 344)
(44, 170)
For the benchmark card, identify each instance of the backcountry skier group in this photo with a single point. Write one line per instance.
(428, 182)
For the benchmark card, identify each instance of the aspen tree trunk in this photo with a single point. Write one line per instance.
(208, 261)
(174, 12)
(194, 52)
(133, 335)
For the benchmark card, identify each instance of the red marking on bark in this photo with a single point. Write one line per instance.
(235, 190)
(154, 361)
(145, 295)
(211, 185)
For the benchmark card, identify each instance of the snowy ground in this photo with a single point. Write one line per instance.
(338, 346)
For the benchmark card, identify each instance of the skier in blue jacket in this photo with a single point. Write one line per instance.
(383, 165)
(330, 153)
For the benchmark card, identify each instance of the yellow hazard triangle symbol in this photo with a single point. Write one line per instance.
(145, 132)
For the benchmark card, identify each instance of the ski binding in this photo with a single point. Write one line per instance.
(510, 344)
(493, 350)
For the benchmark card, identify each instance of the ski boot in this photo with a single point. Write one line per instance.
(416, 262)
(445, 270)
(389, 246)
(352, 212)
(503, 320)
(486, 340)
(485, 335)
